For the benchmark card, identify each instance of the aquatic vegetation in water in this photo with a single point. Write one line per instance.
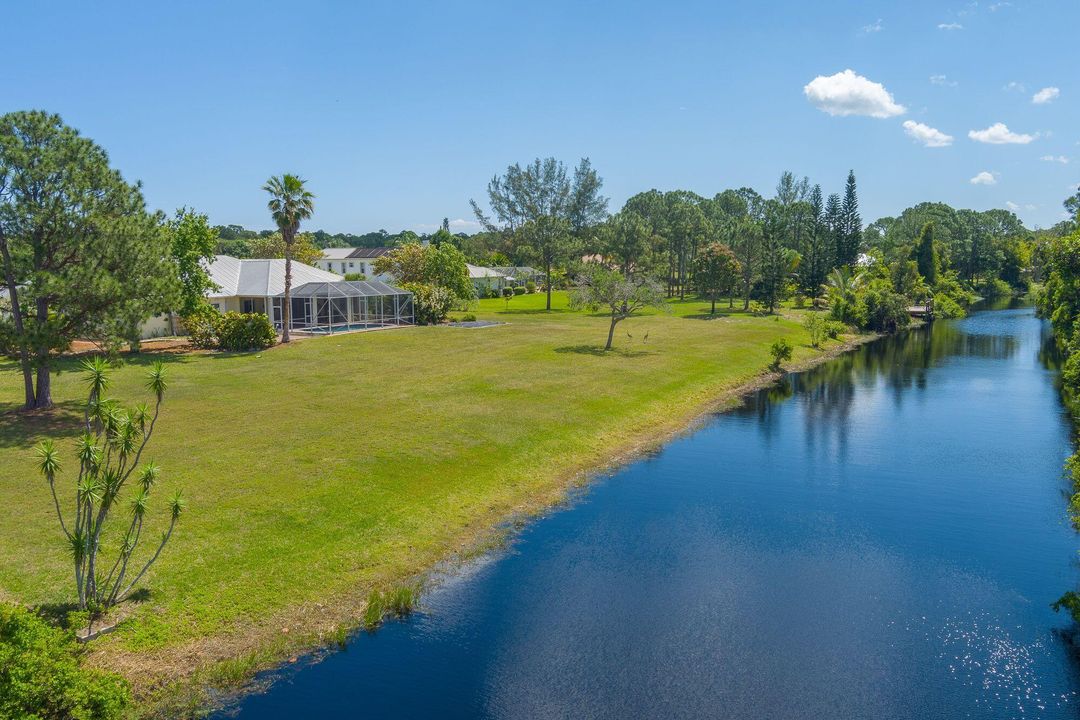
(398, 602)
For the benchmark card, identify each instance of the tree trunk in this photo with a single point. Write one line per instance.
(286, 305)
(547, 269)
(713, 311)
(16, 314)
(611, 332)
(43, 399)
(43, 393)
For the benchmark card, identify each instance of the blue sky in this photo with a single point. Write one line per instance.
(397, 113)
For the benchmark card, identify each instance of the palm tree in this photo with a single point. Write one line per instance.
(843, 282)
(290, 202)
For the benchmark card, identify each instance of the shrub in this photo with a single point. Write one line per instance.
(201, 327)
(996, 288)
(945, 307)
(431, 303)
(882, 310)
(468, 317)
(530, 287)
(355, 276)
(41, 677)
(781, 352)
(519, 290)
(245, 331)
(817, 327)
(834, 329)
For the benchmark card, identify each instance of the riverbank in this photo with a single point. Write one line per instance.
(413, 448)
(879, 516)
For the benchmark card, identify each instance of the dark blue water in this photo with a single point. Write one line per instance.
(880, 537)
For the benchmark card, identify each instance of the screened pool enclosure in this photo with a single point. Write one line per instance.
(325, 307)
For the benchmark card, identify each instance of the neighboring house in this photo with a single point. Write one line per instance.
(253, 285)
(521, 275)
(348, 260)
(485, 280)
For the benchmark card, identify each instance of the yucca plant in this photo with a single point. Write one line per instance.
(109, 453)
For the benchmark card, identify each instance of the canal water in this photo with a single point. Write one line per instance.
(880, 537)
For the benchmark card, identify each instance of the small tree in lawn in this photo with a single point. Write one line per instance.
(508, 295)
(290, 202)
(599, 287)
(109, 451)
(715, 271)
(781, 352)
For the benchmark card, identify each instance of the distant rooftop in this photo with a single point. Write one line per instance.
(351, 253)
(476, 271)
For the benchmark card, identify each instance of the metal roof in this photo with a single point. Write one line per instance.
(337, 253)
(258, 277)
(346, 288)
(476, 271)
(369, 252)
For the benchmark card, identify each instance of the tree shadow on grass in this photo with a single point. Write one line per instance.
(55, 614)
(19, 428)
(708, 316)
(533, 311)
(599, 351)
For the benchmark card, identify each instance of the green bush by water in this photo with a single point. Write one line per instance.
(41, 675)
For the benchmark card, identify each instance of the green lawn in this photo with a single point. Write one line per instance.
(318, 471)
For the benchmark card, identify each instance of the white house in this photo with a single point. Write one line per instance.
(485, 279)
(245, 285)
(252, 285)
(348, 260)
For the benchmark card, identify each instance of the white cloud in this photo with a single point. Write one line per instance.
(942, 80)
(950, 26)
(928, 136)
(846, 93)
(1031, 206)
(984, 178)
(1000, 134)
(1013, 85)
(461, 223)
(873, 27)
(1055, 158)
(998, 5)
(1011, 205)
(1047, 94)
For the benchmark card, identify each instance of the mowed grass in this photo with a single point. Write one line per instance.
(337, 465)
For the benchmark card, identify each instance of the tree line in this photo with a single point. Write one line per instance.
(83, 257)
(1058, 300)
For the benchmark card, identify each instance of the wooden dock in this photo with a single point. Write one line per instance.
(925, 311)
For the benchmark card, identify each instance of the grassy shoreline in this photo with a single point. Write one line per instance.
(307, 509)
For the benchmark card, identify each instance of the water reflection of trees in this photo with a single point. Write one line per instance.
(901, 363)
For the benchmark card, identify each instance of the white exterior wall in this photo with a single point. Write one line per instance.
(365, 266)
(157, 326)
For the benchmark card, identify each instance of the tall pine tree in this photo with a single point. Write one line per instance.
(851, 224)
(817, 255)
(834, 229)
(925, 255)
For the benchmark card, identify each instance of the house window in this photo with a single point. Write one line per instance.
(352, 264)
(343, 268)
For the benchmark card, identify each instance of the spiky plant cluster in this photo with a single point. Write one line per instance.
(109, 452)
